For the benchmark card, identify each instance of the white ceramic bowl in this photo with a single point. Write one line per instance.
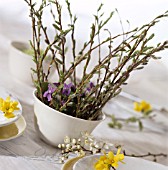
(20, 63)
(52, 126)
(130, 164)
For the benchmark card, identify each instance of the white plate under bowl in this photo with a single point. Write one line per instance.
(87, 163)
(13, 130)
(6, 121)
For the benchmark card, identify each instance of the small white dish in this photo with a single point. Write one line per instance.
(130, 164)
(21, 62)
(13, 130)
(69, 164)
(6, 121)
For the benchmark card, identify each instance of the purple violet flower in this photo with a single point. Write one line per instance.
(91, 85)
(49, 92)
(67, 89)
(62, 102)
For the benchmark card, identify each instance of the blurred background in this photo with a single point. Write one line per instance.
(15, 22)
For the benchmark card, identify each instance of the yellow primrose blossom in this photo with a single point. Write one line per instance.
(109, 160)
(143, 106)
(8, 107)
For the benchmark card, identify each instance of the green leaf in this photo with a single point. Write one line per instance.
(37, 86)
(96, 17)
(139, 68)
(57, 47)
(56, 26)
(119, 125)
(125, 43)
(100, 7)
(147, 48)
(92, 32)
(61, 76)
(146, 114)
(52, 1)
(65, 32)
(151, 36)
(158, 44)
(75, 18)
(108, 19)
(131, 119)
(140, 125)
(156, 58)
(35, 71)
(102, 14)
(58, 61)
(111, 125)
(44, 86)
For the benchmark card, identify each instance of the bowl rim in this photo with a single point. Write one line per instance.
(129, 158)
(68, 116)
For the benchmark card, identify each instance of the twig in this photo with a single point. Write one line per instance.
(147, 155)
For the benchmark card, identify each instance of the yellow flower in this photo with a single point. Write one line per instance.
(118, 158)
(9, 115)
(100, 165)
(8, 107)
(143, 106)
(114, 159)
(110, 160)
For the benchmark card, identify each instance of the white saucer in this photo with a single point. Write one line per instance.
(3, 120)
(69, 164)
(130, 164)
(13, 130)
